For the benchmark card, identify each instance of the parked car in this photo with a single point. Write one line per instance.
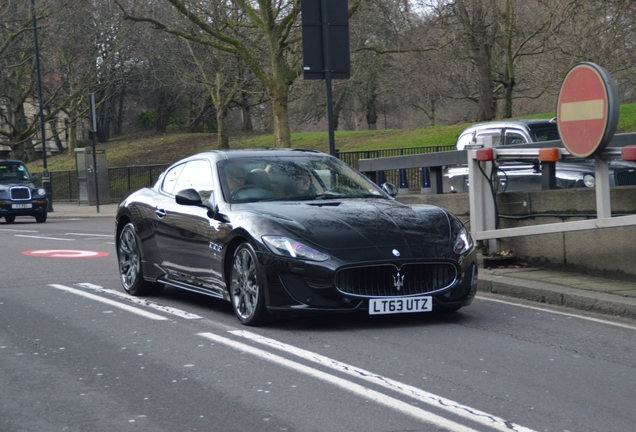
(18, 194)
(513, 176)
(289, 231)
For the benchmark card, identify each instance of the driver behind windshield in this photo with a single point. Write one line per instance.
(235, 176)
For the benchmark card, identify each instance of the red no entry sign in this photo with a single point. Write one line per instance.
(587, 109)
(65, 253)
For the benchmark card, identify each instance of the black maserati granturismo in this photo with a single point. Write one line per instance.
(291, 231)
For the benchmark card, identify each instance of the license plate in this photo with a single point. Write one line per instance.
(396, 305)
(21, 206)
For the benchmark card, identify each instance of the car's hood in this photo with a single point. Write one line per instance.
(6, 186)
(358, 223)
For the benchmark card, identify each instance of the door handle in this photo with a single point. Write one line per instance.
(160, 213)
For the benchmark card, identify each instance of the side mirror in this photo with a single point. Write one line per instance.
(188, 197)
(390, 189)
(192, 197)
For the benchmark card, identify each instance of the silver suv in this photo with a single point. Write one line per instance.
(523, 176)
(510, 132)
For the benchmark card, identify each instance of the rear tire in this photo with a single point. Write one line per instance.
(247, 287)
(130, 271)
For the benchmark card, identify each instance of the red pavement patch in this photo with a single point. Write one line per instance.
(65, 253)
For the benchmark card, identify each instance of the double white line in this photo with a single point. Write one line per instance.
(132, 309)
(435, 401)
(420, 395)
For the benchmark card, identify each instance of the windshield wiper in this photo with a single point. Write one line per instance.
(323, 196)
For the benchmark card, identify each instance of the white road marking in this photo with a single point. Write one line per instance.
(362, 391)
(571, 315)
(418, 394)
(16, 230)
(44, 238)
(140, 301)
(90, 235)
(134, 310)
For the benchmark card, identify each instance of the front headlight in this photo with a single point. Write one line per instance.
(589, 180)
(41, 192)
(283, 246)
(463, 242)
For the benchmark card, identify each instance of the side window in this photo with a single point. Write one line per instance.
(514, 138)
(170, 179)
(196, 175)
(494, 133)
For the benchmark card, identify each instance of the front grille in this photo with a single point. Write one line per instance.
(20, 193)
(389, 280)
(625, 178)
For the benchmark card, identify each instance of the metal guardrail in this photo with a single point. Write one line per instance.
(125, 180)
(482, 208)
(436, 162)
(480, 196)
(412, 175)
(122, 181)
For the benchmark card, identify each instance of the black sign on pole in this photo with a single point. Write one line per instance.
(337, 22)
(326, 48)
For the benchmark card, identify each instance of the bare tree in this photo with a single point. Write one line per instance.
(263, 34)
(17, 79)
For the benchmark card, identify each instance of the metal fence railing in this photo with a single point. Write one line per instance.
(122, 181)
(413, 175)
(125, 180)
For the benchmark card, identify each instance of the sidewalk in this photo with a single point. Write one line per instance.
(73, 210)
(572, 290)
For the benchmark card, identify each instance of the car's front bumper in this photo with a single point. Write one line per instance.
(301, 287)
(23, 208)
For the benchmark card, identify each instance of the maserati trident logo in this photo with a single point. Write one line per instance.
(398, 281)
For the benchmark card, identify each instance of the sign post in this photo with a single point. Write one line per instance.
(93, 134)
(587, 115)
(325, 31)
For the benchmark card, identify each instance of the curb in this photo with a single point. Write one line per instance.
(560, 295)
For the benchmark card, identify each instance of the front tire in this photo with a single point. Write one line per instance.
(40, 217)
(247, 287)
(9, 219)
(129, 258)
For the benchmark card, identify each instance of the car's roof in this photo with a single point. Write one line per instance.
(11, 161)
(522, 123)
(258, 153)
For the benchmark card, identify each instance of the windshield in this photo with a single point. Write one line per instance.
(292, 179)
(13, 172)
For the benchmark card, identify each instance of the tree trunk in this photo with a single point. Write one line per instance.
(56, 136)
(479, 40)
(507, 102)
(509, 77)
(72, 139)
(282, 132)
(372, 114)
(223, 140)
(164, 111)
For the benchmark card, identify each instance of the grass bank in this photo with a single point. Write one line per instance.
(151, 148)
